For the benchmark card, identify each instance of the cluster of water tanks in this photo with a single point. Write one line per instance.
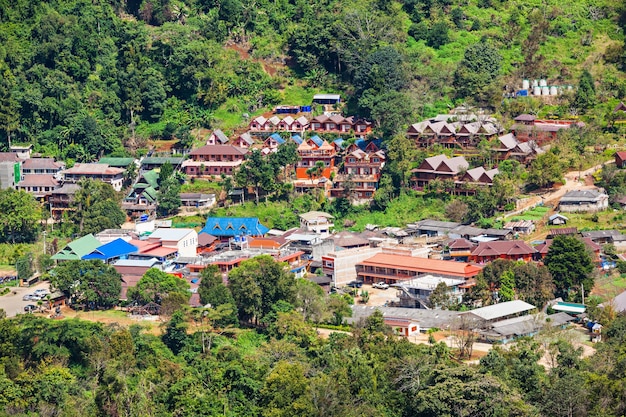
(541, 88)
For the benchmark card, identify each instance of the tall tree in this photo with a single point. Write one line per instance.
(21, 216)
(477, 72)
(257, 284)
(156, 285)
(90, 282)
(570, 265)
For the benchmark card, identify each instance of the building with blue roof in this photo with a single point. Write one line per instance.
(339, 143)
(228, 227)
(297, 139)
(276, 137)
(112, 251)
(316, 140)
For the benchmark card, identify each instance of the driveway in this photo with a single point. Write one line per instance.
(12, 302)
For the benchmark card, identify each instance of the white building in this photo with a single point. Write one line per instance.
(339, 265)
(317, 222)
(184, 240)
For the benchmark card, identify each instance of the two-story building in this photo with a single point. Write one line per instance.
(438, 167)
(98, 172)
(317, 222)
(214, 160)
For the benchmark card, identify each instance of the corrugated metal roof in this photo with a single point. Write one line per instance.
(501, 310)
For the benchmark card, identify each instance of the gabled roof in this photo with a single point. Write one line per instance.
(38, 180)
(288, 120)
(339, 142)
(621, 155)
(348, 239)
(316, 140)
(302, 120)
(525, 118)
(453, 165)
(274, 120)
(116, 248)
(508, 141)
(260, 120)
(501, 310)
(304, 147)
(297, 139)
(460, 244)
(234, 226)
(433, 162)
(322, 118)
(543, 248)
(220, 136)
(148, 179)
(325, 146)
(276, 137)
(170, 234)
(78, 248)
(419, 127)
(501, 247)
(580, 196)
(246, 138)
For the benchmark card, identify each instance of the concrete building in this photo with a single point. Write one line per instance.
(339, 265)
(185, 241)
(585, 201)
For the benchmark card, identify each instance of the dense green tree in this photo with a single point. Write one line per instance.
(477, 71)
(168, 197)
(22, 213)
(506, 291)
(570, 265)
(585, 97)
(88, 282)
(256, 172)
(155, 285)
(175, 335)
(257, 284)
(545, 170)
(213, 291)
(96, 207)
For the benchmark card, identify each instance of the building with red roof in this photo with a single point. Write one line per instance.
(514, 250)
(397, 268)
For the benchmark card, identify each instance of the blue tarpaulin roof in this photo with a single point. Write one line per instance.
(113, 249)
(234, 226)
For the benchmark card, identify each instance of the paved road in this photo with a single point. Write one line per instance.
(12, 302)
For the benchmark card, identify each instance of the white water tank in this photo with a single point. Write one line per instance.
(543, 83)
(536, 90)
(554, 90)
(525, 84)
(545, 91)
(535, 83)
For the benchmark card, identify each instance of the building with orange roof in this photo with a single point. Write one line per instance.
(514, 250)
(397, 268)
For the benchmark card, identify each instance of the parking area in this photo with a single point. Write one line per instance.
(12, 302)
(378, 297)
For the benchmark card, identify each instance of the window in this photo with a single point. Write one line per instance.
(351, 160)
(328, 264)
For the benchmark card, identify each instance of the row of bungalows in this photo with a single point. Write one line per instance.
(528, 128)
(454, 172)
(464, 250)
(448, 132)
(336, 123)
(275, 123)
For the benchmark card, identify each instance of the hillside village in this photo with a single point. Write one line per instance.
(335, 157)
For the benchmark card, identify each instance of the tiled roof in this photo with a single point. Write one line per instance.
(218, 150)
(38, 180)
(41, 163)
(497, 248)
(93, 169)
(161, 160)
(423, 265)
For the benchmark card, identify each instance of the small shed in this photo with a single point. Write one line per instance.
(326, 98)
(524, 226)
(557, 219)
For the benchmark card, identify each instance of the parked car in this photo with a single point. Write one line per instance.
(35, 297)
(355, 284)
(27, 297)
(42, 292)
(30, 308)
(380, 285)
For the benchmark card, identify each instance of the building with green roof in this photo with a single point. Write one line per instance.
(142, 198)
(78, 248)
(152, 162)
(116, 162)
